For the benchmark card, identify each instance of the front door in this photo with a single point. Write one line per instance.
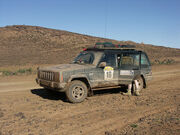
(108, 75)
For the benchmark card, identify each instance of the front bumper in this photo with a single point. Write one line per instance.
(51, 85)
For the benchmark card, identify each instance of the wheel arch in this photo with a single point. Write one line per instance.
(144, 80)
(81, 78)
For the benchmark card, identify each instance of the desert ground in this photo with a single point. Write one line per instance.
(27, 109)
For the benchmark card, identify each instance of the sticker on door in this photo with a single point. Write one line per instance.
(108, 73)
(126, 72)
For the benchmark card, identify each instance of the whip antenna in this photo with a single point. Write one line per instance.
(106, 17)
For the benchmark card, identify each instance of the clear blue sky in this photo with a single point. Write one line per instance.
(150, 21)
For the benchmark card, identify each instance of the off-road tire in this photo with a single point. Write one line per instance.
(76, 91)
(140, 82)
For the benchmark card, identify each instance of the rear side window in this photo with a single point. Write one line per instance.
(129, 60)
(144, 61)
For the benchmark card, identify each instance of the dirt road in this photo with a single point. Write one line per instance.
(27, 109)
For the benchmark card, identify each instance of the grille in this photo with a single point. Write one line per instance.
(46, 75)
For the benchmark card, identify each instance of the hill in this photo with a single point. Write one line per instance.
(22, 45)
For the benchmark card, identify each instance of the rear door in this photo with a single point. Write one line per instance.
(129, 67)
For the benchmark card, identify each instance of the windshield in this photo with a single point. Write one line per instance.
(84, 58)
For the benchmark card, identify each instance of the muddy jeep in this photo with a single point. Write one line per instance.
(101, 67)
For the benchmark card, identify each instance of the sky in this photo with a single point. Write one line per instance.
(154, 22)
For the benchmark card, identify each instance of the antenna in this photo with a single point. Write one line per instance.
(106, 17)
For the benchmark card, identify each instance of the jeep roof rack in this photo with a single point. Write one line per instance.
(109, 45)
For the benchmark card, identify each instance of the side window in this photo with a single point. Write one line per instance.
(136, 60)
(144, 60)
(129, 60)
(109, 59)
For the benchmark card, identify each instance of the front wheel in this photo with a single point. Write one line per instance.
(76, 91)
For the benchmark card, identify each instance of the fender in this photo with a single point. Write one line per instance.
(80, 76)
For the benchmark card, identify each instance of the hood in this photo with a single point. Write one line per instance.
(65, 67)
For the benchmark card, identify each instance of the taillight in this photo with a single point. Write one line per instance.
(61, 77)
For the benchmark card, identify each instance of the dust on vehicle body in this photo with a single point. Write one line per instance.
(104, 66)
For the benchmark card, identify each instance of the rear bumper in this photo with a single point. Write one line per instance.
(51, 85)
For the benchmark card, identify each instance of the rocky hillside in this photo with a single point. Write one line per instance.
(22, 45)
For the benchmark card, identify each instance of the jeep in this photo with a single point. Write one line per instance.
(102, 67)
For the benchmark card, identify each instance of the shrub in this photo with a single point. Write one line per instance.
(7, 73)
(21, 71)
(165, 61)
(29, 70)
(18, 72)
(133, 125)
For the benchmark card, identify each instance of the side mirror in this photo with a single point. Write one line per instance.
(102, 64)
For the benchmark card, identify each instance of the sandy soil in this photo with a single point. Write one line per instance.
(27, 109)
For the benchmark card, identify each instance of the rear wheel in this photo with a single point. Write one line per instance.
(140, 83)
(76, 91)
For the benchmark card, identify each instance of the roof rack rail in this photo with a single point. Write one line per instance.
(109, 45)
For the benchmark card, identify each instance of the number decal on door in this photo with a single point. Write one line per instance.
(108, 73)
